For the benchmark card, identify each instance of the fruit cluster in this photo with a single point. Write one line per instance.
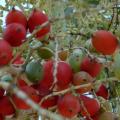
(75, 72)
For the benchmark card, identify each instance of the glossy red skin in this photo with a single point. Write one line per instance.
(37, 18)
(5, 52)
(16, 16)
(19, 60)
(50, 102)
(2, 91)
(1, 117)
(21, 104)
(68, 106)
(6, 106)
(15, 34)
(104, 42)
(91, 104)
(95, 117)
(103, 92)
(93, 67)
(64, 75)
(21, 83)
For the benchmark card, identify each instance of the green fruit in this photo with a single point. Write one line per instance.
(116, 65)
(75, 59)
(7, 78)
(45, 53)
(34, 71)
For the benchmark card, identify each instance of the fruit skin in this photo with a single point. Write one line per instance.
(102, 91)
(50, 102)
(68, 106)
(15, 34)
(64, 74)
(91, 66)
(5, 52)
(75, 59)
(16, 16)
(45, 53)
(87, 101)
(81, 78)
(2, 91)
(31, 92)
(34, 71)
(6, 106)
(104, 42)
(37, 18)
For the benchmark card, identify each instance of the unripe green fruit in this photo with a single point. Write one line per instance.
(34, 71)
(45, 53)
(75, 59)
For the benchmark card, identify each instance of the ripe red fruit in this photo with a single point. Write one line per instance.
(91, 66)
(5, 52)
(21, 83)
(102, 91)
(68, 106)
(50, 102)
(6, 106)
(15, 34)
(18, 61)
(31, 92)
(37, 18)
(1, 117)
(92, 105)
(104, 42)
(16, 16)
(2, 91)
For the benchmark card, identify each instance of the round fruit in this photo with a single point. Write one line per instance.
(31, 92)
(75, 59)
(63, 54)
(21, 83)
(37, 18)
(15, 34)
(45, 53)
(91, 66)
(18, 60)
(34, 71)
(87, 102)
(5, 53)
(82, 78)
(16, 16)
(50, 102)
(104, 42)
(68, 106)
(6, 106)
(64, 74)
(102, 91)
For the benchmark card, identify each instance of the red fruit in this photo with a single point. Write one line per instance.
(15, 34)
(21, 83)
(18, 60)
(2, 91)
(104, 42)
(5, 52)
(95, 117)
(92, 105)
(38, 18)
(68, 106)
(6, 106)
(64, 74)
(91, 66)
(50, 102)
(81, 78)
(16, 16)
(1, 117)
(102, 91)
(31, 92)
